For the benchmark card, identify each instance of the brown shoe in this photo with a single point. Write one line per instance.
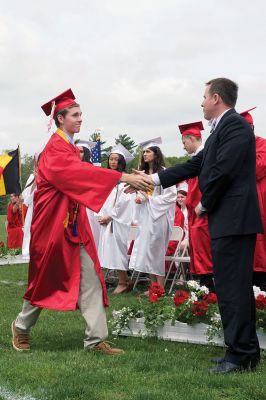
(20, 341)
(105, 348)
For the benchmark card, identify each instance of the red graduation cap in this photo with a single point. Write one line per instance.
(192, 129)
(63, 100)
(248, 116)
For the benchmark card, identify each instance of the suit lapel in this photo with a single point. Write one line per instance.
(211, 138)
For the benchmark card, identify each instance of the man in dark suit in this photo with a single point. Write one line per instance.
(226, 171)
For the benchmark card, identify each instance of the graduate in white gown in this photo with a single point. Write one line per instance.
(115, 219)
(155, 212)
(27, 195)
(85, 148)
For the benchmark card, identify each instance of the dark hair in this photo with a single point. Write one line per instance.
(87, 154)
(63, 112)
(183, 192)
(225, 88)
(158, 162)
(121, 165)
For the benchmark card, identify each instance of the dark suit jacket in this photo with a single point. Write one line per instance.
(226, 170)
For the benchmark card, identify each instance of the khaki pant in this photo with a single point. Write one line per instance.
(90, 303)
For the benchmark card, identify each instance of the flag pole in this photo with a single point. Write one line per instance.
(20, 182)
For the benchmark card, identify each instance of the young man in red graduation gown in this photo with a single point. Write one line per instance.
(64, 270)
(199, 237)
(259, 276)
(16, 213)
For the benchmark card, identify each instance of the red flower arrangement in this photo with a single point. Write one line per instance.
(200, 308)
(180, 297)
(211, 298)
(260, 302)
(155, 292)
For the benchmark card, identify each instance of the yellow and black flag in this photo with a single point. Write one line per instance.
(10, 173)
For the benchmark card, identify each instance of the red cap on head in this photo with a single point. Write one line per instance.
(192, 129)
(248, 116)
(63, 100)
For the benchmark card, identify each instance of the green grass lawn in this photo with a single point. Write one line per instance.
(58, 368)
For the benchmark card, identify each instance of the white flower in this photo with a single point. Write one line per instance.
(257, 291)
(216, 317)
(204, 289)
(166, 350)
(193, 285)
(193, 296)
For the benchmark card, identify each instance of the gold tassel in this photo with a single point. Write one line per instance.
(66, 220)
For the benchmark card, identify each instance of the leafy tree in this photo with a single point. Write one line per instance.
(171, 161)
(126, 141)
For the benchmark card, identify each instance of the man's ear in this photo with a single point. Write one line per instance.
(216, 98)
(60, 118)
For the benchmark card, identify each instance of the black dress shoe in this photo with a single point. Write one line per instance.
(227, 367)
(254, 362)
(216, 360)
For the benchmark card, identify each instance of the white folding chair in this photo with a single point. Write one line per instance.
(176, 235)
(132, 233)
(180, 259)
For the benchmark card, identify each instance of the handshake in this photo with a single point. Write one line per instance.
(138, 180)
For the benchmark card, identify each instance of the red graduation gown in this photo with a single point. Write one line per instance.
(63, 179)
(260, 250)
(199, 237)
(172, 245)
(14, 227)
(179, 221)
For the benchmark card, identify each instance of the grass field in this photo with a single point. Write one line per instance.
(58, 368)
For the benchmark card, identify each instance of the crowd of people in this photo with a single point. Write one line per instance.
(154, 213)
(82, 217)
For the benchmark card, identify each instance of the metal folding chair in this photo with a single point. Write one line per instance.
(181, 259)
(177, 235)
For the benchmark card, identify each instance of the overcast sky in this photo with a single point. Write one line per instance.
(136, 67)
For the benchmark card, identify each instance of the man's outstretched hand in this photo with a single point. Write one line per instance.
(137, 181)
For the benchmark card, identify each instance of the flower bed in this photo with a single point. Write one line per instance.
(5, 252)
(190, 315)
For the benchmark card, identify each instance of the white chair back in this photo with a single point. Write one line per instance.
(132, 233)
(177, 233)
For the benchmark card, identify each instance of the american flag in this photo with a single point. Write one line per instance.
(96, 154)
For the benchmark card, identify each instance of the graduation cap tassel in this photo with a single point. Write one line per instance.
(74, 229)
(49, 126)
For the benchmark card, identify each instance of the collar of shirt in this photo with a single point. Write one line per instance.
(215, 121)
(201, 147)
(69, 138)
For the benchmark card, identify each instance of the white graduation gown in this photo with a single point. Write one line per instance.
(155, 220)
(95, 226)
(113, 241)
(27, 195)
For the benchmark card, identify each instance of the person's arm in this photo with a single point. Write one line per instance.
(180, 172)
(233, 145)
(82, 182)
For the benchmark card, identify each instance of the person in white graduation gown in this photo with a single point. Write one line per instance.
(155, 214)
(115, 219)
(27, 195)
(85, 147)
